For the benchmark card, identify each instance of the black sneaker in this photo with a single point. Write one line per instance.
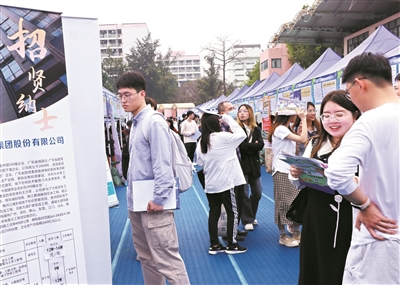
(235, 249)
(215, 249)
(242, 233)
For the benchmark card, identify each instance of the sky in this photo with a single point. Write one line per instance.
(183, 25)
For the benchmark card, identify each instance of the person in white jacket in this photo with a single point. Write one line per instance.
(216, 153)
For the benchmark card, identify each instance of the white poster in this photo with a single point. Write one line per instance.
(53, 197)
(40, 216)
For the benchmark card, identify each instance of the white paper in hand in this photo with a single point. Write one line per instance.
(143, 193)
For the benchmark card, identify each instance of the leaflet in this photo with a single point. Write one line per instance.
(313, 171)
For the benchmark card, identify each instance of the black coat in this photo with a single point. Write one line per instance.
(249, 152)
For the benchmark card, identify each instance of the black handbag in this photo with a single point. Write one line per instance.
(296, 209)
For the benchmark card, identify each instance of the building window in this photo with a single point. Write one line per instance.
(4, 53)
(264, 65)
(276, 63)
(26, 14)
(11, 70)
(10, 27)
(57, 32)
(394, 27)
(356, 41)
(46, 20)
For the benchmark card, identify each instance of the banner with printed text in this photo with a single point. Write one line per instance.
(41, 235)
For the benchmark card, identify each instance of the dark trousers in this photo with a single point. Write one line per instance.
(239, 194)
(215, 200)
(190, 149)
(251, 198)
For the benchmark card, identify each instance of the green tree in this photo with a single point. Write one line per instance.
(304, 54)
(145, 58)
(112, 69)
(210, 86)
(253, 74)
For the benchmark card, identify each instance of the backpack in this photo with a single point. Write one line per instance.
(181, 164)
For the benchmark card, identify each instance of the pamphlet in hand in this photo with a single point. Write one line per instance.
(196, 135)
(313, 171)
(290, 105)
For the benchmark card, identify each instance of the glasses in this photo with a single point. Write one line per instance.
(243, 111)
(311, 111)
(347, 94)
(328, 117)
(126, 96)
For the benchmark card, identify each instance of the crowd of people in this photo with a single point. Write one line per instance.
(348, 235)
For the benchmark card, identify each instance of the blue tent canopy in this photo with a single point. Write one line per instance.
(239, 94)
(257, 91)
(244, 93)
(294, 71)
(216, 102)
(380, 41)
(236, 91)
(326, 60)
(393, 52)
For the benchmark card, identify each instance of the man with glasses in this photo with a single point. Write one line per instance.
(226, 107)
(372, 144)
(154, 232)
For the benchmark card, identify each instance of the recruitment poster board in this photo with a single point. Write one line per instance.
(54, 209)
(303, 91)
(323, 86)
(395, 64)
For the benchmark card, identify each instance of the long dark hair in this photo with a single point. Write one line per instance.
(209, 124)
(171, 124)
(279, 120)
(339, 98)
(316, 124)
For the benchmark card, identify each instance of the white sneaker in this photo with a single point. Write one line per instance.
(249, 227)
(288, 241)
(255, 222)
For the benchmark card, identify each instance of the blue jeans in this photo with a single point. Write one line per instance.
(250, 203)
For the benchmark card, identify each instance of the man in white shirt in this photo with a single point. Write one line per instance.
(372, 144)
(188, 129)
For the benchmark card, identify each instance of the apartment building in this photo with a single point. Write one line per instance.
(274, 59)
(120, 38)
(185, 67)
(244, 62)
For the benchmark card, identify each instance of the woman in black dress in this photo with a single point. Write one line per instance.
(327, 219)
